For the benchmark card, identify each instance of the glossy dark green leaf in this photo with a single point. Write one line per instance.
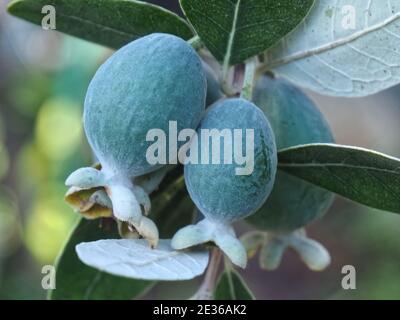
(362, 175)
(110, 23)
(234, 30)
(231, 286)
(76, 281)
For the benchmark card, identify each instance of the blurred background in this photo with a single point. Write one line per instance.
(43, 79)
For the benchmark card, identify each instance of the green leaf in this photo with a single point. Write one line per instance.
(110, 23)
(362, 175)
(327, 53)
(234, 30)
(76, 281)
(231, 286)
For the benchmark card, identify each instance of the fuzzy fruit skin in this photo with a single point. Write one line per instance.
(220, 194)
(295, 120)
(142, 86)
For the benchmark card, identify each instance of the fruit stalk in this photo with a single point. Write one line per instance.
(249, 77)
(206, 290)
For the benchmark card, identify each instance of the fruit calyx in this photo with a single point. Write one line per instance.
(273, 246)
(127, 198)
(205, 231)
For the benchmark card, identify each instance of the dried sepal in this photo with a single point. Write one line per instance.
(82, 201)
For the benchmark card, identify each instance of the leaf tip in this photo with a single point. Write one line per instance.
(13, 6)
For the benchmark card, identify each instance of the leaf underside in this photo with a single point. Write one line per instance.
(361, 175)
(134, 258)
(109, 23)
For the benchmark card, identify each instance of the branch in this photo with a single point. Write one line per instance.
(206, 290)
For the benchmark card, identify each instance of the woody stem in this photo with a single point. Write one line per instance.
(206, 290)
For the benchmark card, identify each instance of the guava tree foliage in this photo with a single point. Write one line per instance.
(231, 64)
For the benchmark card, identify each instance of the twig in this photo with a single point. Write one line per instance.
(206, 290)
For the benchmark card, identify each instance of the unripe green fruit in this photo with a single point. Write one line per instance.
(220, 191)
(144, 85)
(295, 120)
(217, 190)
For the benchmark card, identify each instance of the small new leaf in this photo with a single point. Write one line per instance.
(231, 286)
(135, 259)
(362, 175)
(109, 23)
(236, 30)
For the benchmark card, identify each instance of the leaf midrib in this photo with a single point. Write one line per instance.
(231, 37)
(104, 27)
(231, 285)
(332, 45)
(347, 166)
(92, 284)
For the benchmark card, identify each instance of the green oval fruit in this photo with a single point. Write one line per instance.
(223, 188)
(144, 85)
(295, 120)
(219, 192)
